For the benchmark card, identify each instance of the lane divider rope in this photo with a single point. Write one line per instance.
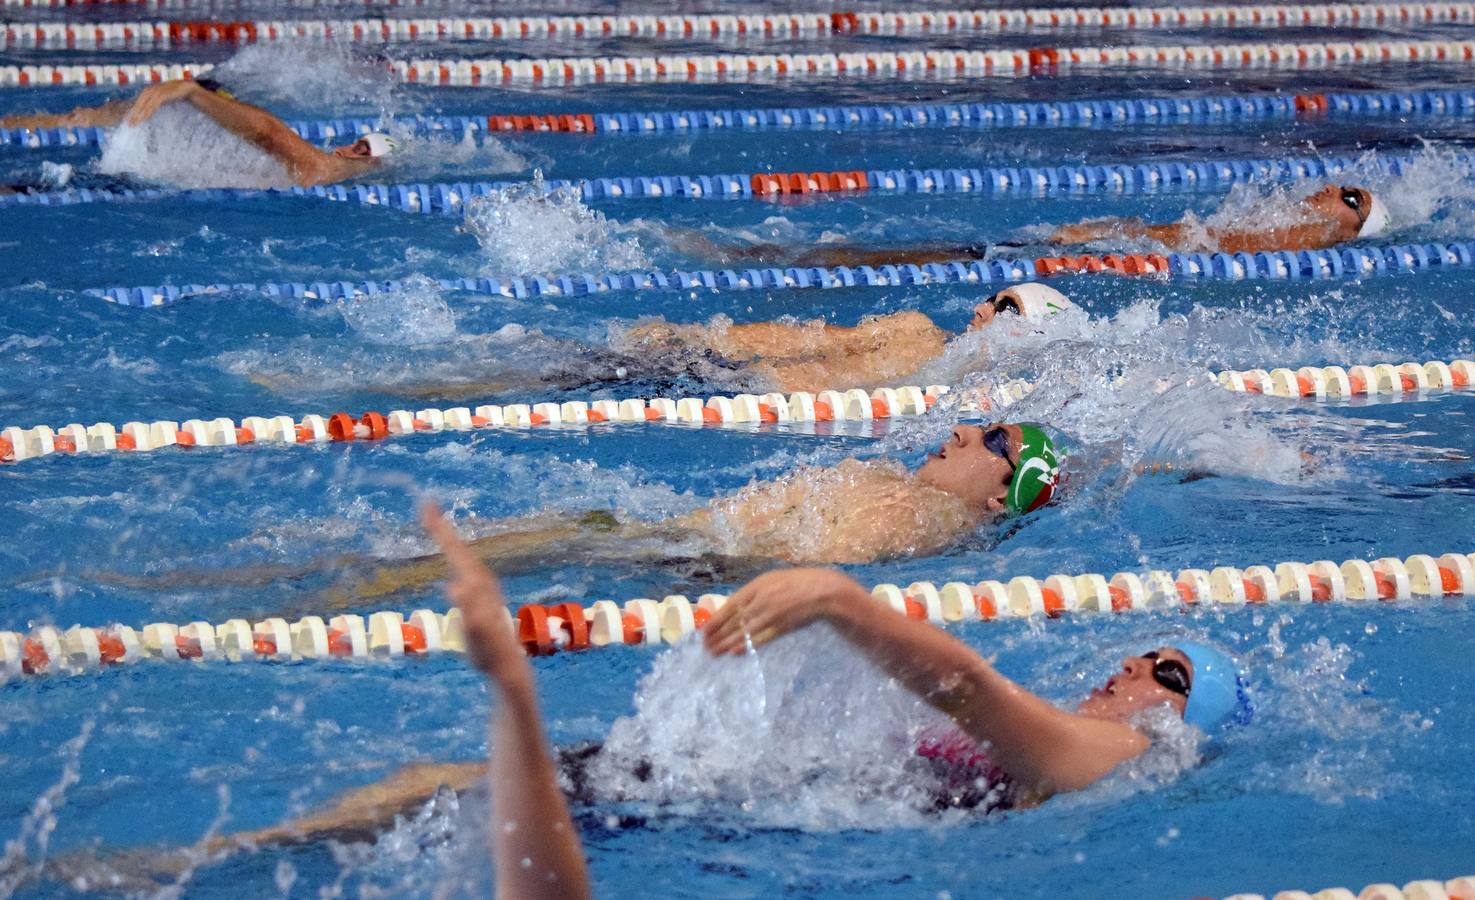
(1113, 113)
(922, 64)
(1462, 888)
(1279, 265)
(911, 64)
(749, 23)
(548, 629)
(1386, 380)
(195, 4)
(1116, 178)
(18, 444)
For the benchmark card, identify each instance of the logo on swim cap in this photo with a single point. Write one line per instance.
(1036, 475)
(1217, 691)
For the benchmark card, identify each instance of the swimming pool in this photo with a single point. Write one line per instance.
(1351, 772)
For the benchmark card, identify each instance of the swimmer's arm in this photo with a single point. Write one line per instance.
(535, 847)
(695, 243)
(1172, 235)
(106, 115)
(1042, 748)
(306, 163)
(914, 255)
(362, 814)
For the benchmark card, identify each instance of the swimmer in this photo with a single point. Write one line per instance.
(305, 164)
(1331, 216)
(751, 357)
(695, 243)
(815, 356)
(535, 847)
(1007, 749)
(854, 512)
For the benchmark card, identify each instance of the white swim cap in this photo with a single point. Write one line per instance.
(380, 144)
(1039, 301)
(1377, 220)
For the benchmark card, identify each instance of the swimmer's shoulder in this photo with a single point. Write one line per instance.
(908, 319)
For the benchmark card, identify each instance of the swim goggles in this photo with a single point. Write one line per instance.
(1354, 199)
(1170, 673)
(996, 441)
(1003, 304)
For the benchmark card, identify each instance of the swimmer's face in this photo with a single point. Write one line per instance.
(1005, 302)
(1329, 205)
(1135, 688)
(966, 467)
(359, 149)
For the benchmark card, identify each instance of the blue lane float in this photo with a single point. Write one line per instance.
(1118, 178)
(1285, 265)
(1074, 114)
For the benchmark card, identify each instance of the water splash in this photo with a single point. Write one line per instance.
(1131, 389)
(310, 75)
(760, 733)
(528, 229)
(25, 854)
(414, 315)
(182, 147)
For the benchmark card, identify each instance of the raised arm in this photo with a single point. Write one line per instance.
(1041, 747)
(306, 164)
(535, 847)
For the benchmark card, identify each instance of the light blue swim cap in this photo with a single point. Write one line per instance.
(1217, 691)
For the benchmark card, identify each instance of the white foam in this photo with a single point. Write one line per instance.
(414, 315)
(182, 147)
(527, 229)
(306, 75)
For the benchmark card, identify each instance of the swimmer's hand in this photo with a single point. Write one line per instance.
(774, 604)
(490, 642)
(151, 99)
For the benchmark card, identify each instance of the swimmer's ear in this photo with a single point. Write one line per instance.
(995, 505)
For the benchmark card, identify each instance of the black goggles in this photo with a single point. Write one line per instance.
(1003, 304)
(1170, 673)
(1353, 198)
(996, 441)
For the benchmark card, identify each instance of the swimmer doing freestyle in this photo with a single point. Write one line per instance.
(304, 164)
(1333, 215)
(1008, 748)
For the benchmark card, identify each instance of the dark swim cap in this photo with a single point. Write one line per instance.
(215, 87)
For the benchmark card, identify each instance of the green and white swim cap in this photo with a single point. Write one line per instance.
(1035, 300)
(1036, 474)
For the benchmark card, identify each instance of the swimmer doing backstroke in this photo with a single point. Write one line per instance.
(786, 356)
(855, 512)
(1333, 215)
(304, 164)
(1007, 748)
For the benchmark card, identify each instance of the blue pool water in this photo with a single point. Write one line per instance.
(780, 775)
